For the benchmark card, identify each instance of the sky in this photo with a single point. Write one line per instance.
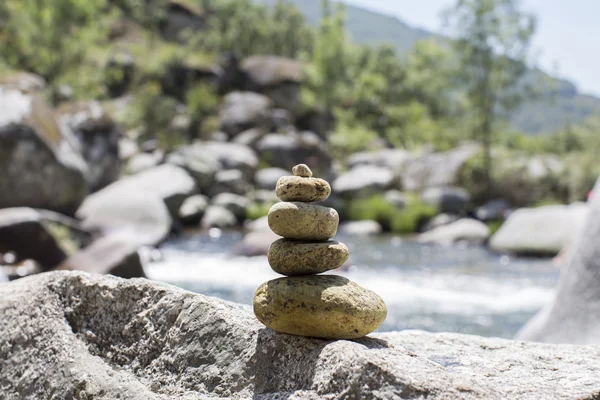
(564, 45)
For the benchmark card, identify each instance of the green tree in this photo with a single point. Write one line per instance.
(492, 40)
(46, 37)
(329, 56)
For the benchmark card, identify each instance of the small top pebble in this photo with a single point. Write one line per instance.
(302, 170)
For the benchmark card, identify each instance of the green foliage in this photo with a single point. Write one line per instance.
(491, 39)
(153, 112)
(405, 220)
(202, 102)
(242, 27)
(494, 226)
(47, 37)
(350, 136)
(256, 211)
(375, 208)
(412, 217)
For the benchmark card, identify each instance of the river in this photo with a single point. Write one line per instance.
(457, 288)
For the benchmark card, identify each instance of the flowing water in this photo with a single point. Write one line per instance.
(436, 288)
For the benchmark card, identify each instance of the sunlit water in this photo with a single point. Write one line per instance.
(437, 288)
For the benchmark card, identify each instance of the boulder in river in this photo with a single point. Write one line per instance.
(103, 337)
(447, 199)
(192, 209)
(218, 217)
(98, 136)
(125, 208)
(574, 314)
(114, 254)
(361, 228)
(543, 231)
(233, 202)
(40, 158)
(464, 230)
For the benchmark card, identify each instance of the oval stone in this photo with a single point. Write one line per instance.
(324, 306)
(295, 220)
(297, 188)
(292, 257)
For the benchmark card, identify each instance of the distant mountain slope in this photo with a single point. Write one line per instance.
(372, 28)
(366, 27)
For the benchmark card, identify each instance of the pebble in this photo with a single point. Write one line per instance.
(302, 170)
(324, 306)
(291, 257)
(308, 190)
(296, 220)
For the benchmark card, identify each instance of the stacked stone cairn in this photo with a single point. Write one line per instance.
(304, 303)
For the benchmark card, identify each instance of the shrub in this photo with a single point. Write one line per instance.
(256, 211)
(411, 218)
(494, 225)
(372, 208)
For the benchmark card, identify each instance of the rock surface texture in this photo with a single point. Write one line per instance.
(73, 335)
(574, 315)
(325, 306)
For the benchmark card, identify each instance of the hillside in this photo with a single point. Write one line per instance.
(366, 27)
(548, 114)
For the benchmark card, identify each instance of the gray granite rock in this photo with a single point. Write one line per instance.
(464, 230)
(41, 162)
(75, 335)
(543, 230)
(574, 315)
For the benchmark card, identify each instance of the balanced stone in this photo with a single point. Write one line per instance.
(291, 257)
(296, 220)
(302, 170)
(296, 188)
(325, 306)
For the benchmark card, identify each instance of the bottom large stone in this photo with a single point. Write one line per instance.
(325, 306)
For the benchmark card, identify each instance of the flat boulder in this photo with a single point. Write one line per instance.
(361, 228)
(125, 209)
(40, 159)
(363, 181)
(167, 182)
(464, 230)
(543, 231)
(104, 337)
